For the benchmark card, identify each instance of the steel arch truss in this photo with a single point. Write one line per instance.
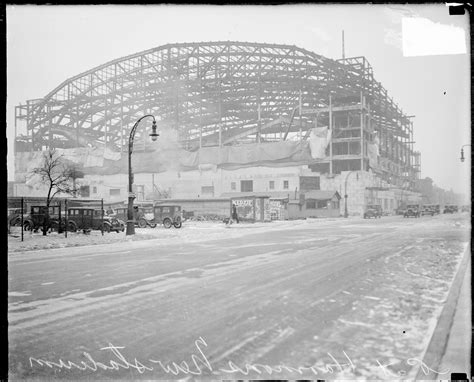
(211, 93)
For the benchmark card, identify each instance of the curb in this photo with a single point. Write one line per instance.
(439, 339)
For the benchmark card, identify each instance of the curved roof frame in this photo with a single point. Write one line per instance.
(204, 90)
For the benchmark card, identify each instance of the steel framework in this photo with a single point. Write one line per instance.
(221, 93)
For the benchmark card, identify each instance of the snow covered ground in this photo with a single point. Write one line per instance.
(367, 293)
(191, 231)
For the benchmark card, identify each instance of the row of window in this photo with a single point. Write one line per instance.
(85, 212)
(321, 204)
(247, 185)
(309, 183)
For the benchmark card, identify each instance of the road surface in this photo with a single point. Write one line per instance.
(296, 300)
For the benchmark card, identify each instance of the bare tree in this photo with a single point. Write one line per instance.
(57, 175)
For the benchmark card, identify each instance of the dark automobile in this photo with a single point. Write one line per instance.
(450, 209)
(86, 218)
(36, 218)
(436, 208)
(428, 209)
(142, 215)
(168, 215)
(400, 210)
(373, 211)
(413, 210)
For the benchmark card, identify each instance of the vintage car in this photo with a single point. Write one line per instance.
(35, 220)
(428, 209)
(14, 216)
(413, 210)
(142, 215)
(400, 210)
(88, 218)
(450, 209)
(168, 215)
(466, 208)
(373, 211)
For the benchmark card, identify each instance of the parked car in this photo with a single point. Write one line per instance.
(373, 211)
(143, 216)
(35, 220)
(168, 215)
(428, 210)
(87, 218)
(400, 210)
(450, 209)
(413, 210)
(436, 208)
(14, 216)
(466, 208)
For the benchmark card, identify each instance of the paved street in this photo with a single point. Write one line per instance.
(292, 300)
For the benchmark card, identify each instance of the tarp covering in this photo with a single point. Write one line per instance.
(319, 139)
(274, 154)
(373, 152)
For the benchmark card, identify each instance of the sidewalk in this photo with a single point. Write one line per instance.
(457, 355)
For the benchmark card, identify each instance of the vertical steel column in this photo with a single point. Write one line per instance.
(220, 113)
(300, 115)
(77, 125)
(362, 148)
(259, 132)
(21, 219)
(28, 126)
(105, 120)
(121, 119)
(330, 141)
(102, 216)
(200, 103)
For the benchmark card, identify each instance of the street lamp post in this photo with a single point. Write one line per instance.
(462, 152)
(154, 135)
(346, 214)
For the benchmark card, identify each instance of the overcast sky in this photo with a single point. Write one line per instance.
(49, 44)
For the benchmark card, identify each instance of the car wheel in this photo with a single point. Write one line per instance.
(27, 226)
(177, 224)
(54, 226)
(152, 225)
(71, 227)
(167, 223)
(106, 228)
(142, 223)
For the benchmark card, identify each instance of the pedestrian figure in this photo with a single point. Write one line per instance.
(234, 213)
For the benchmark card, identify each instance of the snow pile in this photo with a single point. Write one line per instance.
(401, 302)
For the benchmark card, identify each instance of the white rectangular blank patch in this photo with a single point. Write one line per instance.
(423, 37)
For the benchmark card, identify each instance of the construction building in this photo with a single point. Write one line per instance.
(233, 117)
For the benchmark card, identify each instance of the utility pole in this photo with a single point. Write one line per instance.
(343, 52)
